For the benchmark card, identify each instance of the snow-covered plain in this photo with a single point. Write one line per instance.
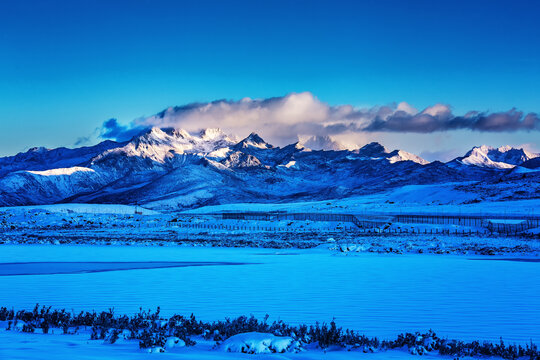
(38, 226)
(118, 224)
(438, 199)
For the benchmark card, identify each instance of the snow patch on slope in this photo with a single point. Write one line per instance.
(60, 171)
(400, 155)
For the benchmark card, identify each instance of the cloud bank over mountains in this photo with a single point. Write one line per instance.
(285, 119)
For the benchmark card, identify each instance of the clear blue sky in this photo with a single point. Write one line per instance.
(66, 66)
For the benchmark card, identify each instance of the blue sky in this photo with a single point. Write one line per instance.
(67, 66)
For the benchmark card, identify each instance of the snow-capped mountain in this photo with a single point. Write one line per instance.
(375, 151)
(253, 141)
(174, 169)
(162, 145)
(504, 157)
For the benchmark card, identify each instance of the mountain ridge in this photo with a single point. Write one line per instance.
(175, 169)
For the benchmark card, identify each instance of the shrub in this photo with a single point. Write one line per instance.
(152, 331)
(45, 326)
(149, 339)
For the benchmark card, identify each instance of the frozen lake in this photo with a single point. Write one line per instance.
(378, 295)
(71, 267)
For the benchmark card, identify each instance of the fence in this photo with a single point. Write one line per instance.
(512, 228)
(366, 222)
(253, 228)
(489, 222)
(476, 221)
(352, 229)
(377, 221)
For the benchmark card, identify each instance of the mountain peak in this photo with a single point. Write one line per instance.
(151, 136)
(156, 131)
(38, 149)
(211, 133)
(254, 137)
(506, 148)
(254, 140)
(503, 157)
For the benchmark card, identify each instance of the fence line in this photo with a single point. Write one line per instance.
(368, 221)
(365, 230)
(376, 221)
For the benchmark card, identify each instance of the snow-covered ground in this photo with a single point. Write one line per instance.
(17, 346)
(118, 224)
(438, 199)
(311, 271)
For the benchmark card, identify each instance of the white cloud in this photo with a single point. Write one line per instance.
(282, 120)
